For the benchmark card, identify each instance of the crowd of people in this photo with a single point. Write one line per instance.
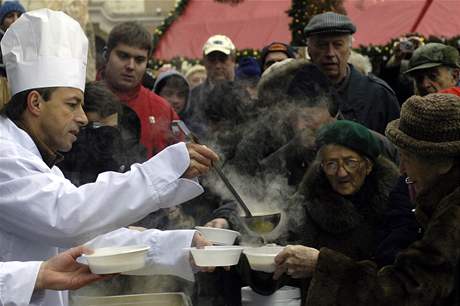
(364, 169)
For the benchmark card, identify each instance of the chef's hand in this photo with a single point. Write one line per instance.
(298, 261)
(63, 272)
(200, 242)
(218, 223)
(201, 159)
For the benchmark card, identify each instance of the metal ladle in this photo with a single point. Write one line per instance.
(260, 224)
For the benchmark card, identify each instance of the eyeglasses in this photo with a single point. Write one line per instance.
(332, 166)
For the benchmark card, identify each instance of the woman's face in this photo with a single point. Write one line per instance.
(345, 169)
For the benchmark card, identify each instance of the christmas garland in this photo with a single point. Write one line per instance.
(168, 21)
(381, 53)
(179, 62)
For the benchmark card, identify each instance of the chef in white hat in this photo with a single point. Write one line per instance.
(40, 211)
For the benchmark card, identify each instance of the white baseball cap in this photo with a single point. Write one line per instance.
(45, 48)
(220, 43)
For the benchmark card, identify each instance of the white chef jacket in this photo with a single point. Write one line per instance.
(41, 211)
(17, 282)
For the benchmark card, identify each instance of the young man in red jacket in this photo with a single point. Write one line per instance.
(129, 47)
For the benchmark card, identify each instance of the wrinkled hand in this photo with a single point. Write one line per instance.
(296, 261)
(63, 272)
(201, 160)
(218, 223)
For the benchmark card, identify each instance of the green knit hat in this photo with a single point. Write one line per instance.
(351, 135)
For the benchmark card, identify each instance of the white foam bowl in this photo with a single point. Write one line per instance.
(216, 256)
(117, 259)
(218, 236)
(262, 258)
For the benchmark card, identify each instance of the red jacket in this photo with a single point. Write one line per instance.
(155, 115)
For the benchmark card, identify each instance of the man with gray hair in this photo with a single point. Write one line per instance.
(365, 99)
(434, 67)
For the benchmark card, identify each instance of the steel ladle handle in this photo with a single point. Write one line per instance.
(223, 177)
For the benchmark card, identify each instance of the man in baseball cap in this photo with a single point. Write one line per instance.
(219, 61)
(219, 58)
(434, 67)
(365, 98)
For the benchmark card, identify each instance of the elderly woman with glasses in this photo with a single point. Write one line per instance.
(343, 197)
(427, 272)
(340, 203)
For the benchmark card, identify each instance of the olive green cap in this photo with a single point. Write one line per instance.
(434, 55)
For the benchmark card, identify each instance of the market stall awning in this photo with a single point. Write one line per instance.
(256, 23)
(250, 24)
(378, 21)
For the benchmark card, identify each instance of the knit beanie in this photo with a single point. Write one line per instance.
(429, 126)
(8, 7)
(351, 135)
(248, 67)
(276, 47)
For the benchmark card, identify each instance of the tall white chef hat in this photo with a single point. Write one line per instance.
(45, 48)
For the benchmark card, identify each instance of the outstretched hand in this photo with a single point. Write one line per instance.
(63, 272)
(297, 261)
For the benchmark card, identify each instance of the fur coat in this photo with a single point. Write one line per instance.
(426, 273)
(320, 217)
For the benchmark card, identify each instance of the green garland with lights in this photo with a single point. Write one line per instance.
(168, 21)
(178, 61)
(379, 54)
